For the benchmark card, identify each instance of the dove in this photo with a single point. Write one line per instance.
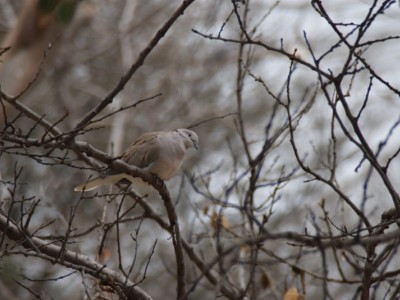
(160, 153)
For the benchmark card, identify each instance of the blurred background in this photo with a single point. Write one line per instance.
(67, 55)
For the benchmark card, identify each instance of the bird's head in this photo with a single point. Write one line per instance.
(190, 138)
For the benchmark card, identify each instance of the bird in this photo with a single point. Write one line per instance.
(160, 153)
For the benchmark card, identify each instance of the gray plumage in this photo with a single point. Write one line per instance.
(159, 152)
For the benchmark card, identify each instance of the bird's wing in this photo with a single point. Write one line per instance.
(145, 151)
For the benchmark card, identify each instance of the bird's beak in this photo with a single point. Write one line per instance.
(195, 146)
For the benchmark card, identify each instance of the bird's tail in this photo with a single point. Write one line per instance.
(99, 181)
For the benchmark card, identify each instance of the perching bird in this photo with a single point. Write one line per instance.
(159, 152)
